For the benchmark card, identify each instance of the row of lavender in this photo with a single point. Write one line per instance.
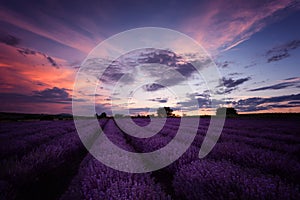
(252, 161)
(243, 164)
(97, 181)
(222, 175)
(39, 154)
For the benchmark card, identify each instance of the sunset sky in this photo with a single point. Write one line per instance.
(255, 44)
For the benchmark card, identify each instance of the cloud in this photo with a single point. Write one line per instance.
(204, 94)
(51, 28)
(239, 20)
(282, 51)
(170, 59)
(55, 93)
(190, 104)
(162, 67)
(289, 82)
(26, 52)
(152, 87)
(49, 95)
(203, 99)
(224, 64)
(9, 39)
(50, 100)
(250, 65)
(278, 57)
(160, 100)
(235, 74)
(294, 102)
(273, 87)
(292, 79)
(258, 103)
(52, 61)
(230, 84)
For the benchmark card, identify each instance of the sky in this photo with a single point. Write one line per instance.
(255, 46)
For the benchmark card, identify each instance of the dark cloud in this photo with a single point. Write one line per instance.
(258, 100)
(49, 95)
(186, 69)
(190, 104)
(52, 61)
(292, 78)
(281, 106)
(160, 100)
(250, 65)
(257, 103)
(165, 57)
(203, 99)
(292, 82)
(168, 58)
(152, 87)
(27, 52)
(204, 94)
(294, 102)
(275, 87)
(230, 84)
(166, 76)
(283, 51)
(113, 72)
(9, 39)
(224, 64)
(163, 101)
(235, 74)
(55, 93)
(278, 57)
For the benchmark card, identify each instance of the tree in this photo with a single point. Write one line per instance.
(103, 115)
(165, 112)
(228, 111)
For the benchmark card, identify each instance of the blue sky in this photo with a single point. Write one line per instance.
(255, 45)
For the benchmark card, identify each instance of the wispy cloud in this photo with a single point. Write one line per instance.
(27, 51)
(282, 51)
(32, 70)
(224, 64)
(258, 103)
(52, 28)
(224, 25)
(290, 82)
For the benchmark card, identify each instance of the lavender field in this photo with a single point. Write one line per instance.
(253, 159)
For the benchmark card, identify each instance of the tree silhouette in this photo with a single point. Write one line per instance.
(228, 111)
(165, 112)
(103, 115)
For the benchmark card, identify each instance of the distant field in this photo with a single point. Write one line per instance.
(255, 158)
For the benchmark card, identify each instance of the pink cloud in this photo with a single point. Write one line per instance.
(52, 28)
(226, 25)
(23, 74)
